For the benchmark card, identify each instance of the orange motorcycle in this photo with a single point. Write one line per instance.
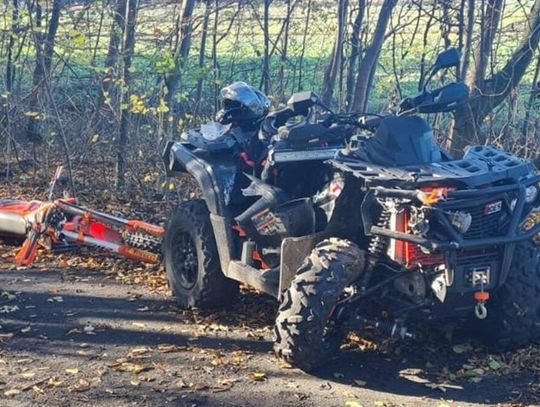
(63, 224)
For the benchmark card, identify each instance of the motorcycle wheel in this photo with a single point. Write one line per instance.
(191, 259)
(303, 333)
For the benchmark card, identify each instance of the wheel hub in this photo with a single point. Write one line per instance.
(185, 260)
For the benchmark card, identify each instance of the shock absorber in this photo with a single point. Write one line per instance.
(377, 248)
(379, 244)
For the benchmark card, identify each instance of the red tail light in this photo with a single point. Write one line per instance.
(408, 254)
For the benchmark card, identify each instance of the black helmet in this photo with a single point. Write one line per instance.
(242, 105)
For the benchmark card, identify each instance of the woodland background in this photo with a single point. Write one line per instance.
(97, 85)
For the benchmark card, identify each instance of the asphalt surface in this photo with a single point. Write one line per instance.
(79, 337)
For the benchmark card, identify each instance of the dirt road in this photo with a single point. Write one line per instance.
(70, 338)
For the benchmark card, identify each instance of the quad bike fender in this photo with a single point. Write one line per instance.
(215, 177)
(294, 251)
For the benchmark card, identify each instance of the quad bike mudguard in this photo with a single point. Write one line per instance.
(215, 174)
(215, 178)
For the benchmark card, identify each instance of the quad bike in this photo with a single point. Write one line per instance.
(62, 225)
(395, 231)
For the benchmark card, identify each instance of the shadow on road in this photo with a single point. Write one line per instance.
(113, 310)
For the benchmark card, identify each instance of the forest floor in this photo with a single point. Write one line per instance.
(88, 329)
(72, 337)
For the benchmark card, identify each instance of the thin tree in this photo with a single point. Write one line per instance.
(368, 65)
(488, 93)
(129, 47)
(334, 65)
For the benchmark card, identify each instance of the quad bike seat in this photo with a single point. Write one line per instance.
(401, 141)
(309, 135)
(16, 215)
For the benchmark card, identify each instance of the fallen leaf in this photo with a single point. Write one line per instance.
(494, 365)
(72, 370)
(443, 386)
(28, 375)
(170, 348)
(258, 376)
(353, 403)
(130, 367)
(55, 382)
(8, 296)
(81, 385)
(462, 348)
(6, 309)
(6, 336)
(135, 383)
(12, 392)
(138, 351)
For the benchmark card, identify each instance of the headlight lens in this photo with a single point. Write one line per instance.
(530, 194)
(461, 221)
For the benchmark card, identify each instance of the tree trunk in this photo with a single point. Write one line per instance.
(467, 42)
(486, 94)
(266, 57)
(488, 29)
(533, 95)
(115, 41)
(333, 68)
(173, 81)
(129, 46)
(355, 50)
(11, 44)
(202, 50)
(283, 59)
(303, 50)
(44, 53)
(366, 70)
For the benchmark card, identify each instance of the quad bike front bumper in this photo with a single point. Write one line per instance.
(480, 257)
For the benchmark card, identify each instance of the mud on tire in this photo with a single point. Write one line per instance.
(300, 337)
(192, 261)
(514, 310)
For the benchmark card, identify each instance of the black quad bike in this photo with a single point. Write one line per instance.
(388, 229)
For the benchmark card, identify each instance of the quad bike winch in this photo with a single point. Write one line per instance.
(359, 220)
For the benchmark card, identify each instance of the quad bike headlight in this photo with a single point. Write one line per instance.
(461, 221)
(531, 193)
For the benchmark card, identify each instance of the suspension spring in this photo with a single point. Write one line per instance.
(379, 244)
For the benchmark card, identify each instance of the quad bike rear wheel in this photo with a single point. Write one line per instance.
(304, 336)
(192, 261)
(514, 310)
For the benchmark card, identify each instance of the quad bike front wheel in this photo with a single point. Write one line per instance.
(304, 336)
(514, 309)
(192, 261)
